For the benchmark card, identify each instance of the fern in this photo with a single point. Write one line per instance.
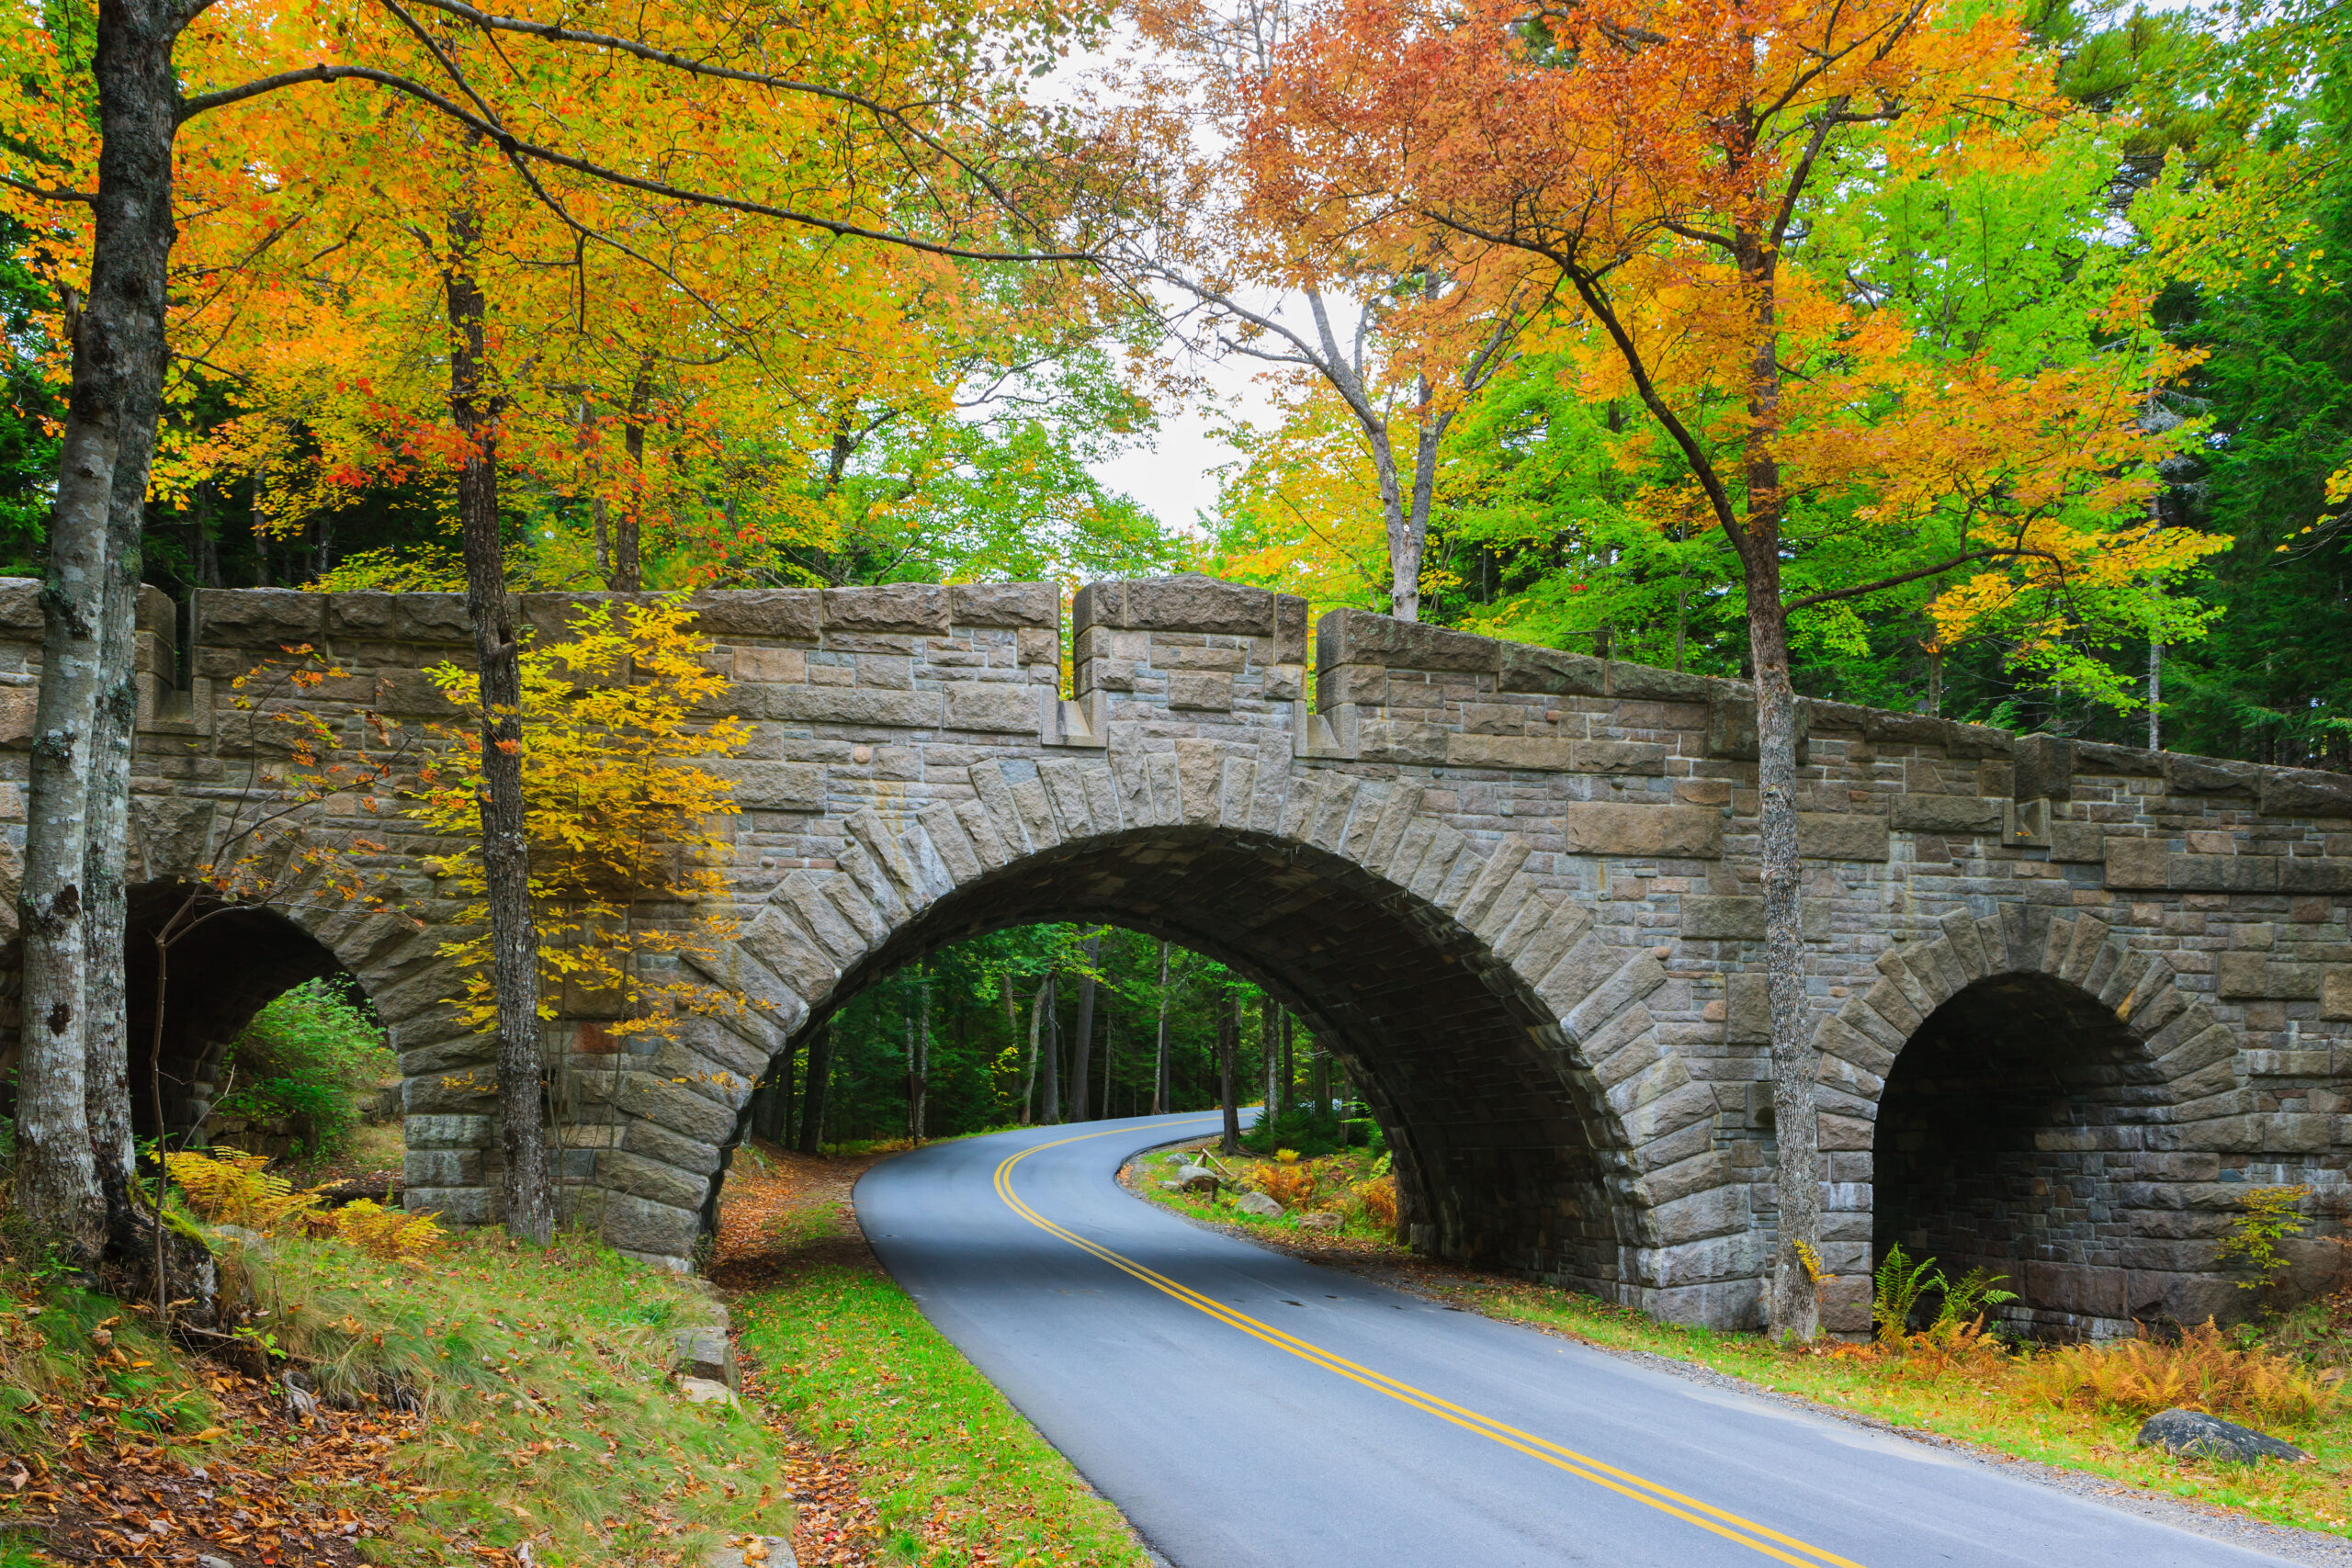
(1973, 1297)
(238, 1189)
(1896, 1291)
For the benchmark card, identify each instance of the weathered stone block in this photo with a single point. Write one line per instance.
(1606, 827)
(1713, 917)
(1829, 835)
(1963, 813)
(620, 1171)
(1525, 753)
(1203, 689)
(1526, 668)
(1188, 603)
(771, 786)
(2080, 843)
(1004, 604)
(856, 706)
(1747, 1010)
(787, 614)
(1359, 637)
(2206, 775)
(890, 607)
(640, 1224)
(997, 706)
(2136, 863)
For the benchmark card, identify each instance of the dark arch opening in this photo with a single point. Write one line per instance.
(2009, 1128)
(1495, 1135)
(220, 975)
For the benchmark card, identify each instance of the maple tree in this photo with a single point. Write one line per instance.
(1668, 160)
(1394, 326)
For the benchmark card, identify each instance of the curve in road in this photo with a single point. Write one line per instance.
(1249, 1409)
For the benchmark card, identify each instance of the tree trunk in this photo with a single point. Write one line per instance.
(1050, 1110)
(119, 354)
(2156, 694)
(1290, 1063)
(525, 1183)
(1083, 1058)
(107, 1056)
(1795, 1305)
(813, 1103)
(1228, 1036)
(1318, 1080)
(1036, 1028)
(628, 568)
(1268, 1039)
(1159, 1053)
(917, 1056)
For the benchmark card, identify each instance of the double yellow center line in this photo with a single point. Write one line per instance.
(1730, 1525)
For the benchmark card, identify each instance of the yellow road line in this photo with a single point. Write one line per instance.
(1707, 1517)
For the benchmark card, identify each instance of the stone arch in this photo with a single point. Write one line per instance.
(1552, 1172)
(2010, 1093)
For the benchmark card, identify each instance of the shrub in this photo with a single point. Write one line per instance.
(238, 1189)
(305, 1059)
(2201, 1370)
(1298, 1129)
(2252, 1243)
(1379, 1197)
(1289, 1184)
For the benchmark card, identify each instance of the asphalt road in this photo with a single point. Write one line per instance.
(1246, 1408)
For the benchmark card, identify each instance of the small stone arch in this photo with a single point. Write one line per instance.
(1092, 838)
(2017, 1094)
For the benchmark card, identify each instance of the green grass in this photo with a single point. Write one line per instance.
(544, 1376)
(956, 1474)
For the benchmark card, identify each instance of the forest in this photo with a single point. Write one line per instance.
(2167, 234)
(1041, 1024)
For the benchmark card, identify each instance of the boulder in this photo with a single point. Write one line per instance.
(707, 1353)
(1258, 1204)
(1320, 1221)
(706, 1391)
(1197, 1179)
(757, 1552)
(2199, 1436)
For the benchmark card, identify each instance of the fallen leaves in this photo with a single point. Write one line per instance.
(278, 1490)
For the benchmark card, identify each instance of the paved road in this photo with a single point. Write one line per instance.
(1246, 1408)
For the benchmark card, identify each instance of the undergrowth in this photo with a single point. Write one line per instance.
(543, 1379)
(1351, 1195)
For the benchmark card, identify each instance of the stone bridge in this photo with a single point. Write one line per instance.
(2071, 999)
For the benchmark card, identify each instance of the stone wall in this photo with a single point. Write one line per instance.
(1516, 887)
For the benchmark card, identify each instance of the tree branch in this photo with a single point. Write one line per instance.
(1996, 553)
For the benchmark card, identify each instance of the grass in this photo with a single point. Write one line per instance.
(952, 1472)
(1993, 1403)
(546, 1415)
(1337, 1189)
(549, 1417)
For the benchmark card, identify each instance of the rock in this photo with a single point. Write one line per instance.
(1320, 1221)
(1171, 1185)
(706, 1353)
(1258, 1204)
(249, 1241)
(2199, 1436)
(707, 1391)
(207, 1559)
(760, 1551)
(1197, 1179)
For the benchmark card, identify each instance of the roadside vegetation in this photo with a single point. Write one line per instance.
(1939, 1363)
(946, 1471)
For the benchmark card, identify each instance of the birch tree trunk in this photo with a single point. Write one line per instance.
(106, 1045)
(1082, 1060)
(525, 1183)
(119, 354)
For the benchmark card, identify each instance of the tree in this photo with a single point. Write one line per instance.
(1668, 163)
(1396, 328)
(1082, 1057)
(682, 79)
(610, 813)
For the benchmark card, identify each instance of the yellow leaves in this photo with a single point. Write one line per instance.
(618, 814)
